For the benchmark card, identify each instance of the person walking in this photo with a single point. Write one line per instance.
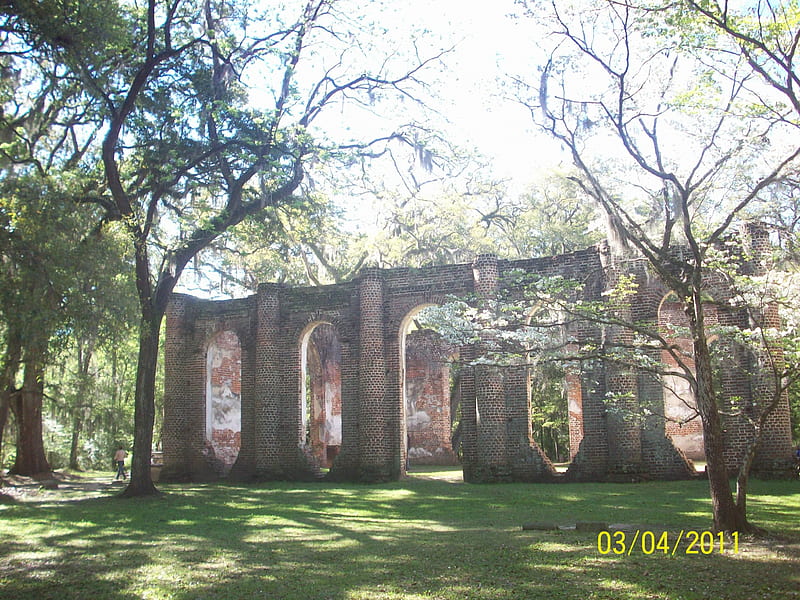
(797, 460)
(119, 457)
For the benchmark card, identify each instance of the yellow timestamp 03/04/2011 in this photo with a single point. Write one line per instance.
(625, 543)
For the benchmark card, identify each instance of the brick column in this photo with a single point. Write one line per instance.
(774, 455)
(572, 380)
(590, 463)
(624, 439)
(469, 417)
(492, 451)
(773, 458)
(526, 459)
(623, 411)
(345, 466)
(268, 430)
(375, 438)
(491, 418)
(175, 389)
(184, 392)
(244, 467)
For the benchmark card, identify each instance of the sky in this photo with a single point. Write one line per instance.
(490, 46)
(471, 83)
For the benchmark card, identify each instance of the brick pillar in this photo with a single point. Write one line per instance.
(268, 428)
(590, 463)
(485, 272)
(624, 431)
(661, 458)
(491, 418)
(623, 413)
(774, 456)
(469, 417)
(184, 392)
(345, 466)
(623, 418)
(492, 451)
(376, 440)
(526, 460)
(173, 439)
(757, 248)
(572, 380)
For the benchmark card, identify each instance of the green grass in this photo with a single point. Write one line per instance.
(424, 537)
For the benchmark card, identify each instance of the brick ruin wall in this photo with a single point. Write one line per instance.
(680, 409)
(384, 398)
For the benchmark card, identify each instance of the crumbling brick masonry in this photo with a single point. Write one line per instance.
(272, 420)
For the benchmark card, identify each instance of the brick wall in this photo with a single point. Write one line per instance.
(682, 425)
(368, 318)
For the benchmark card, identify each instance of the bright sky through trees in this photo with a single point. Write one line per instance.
(468, 100)
(472, 103)
(489, 45)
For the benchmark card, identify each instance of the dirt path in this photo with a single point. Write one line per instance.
(60, 486)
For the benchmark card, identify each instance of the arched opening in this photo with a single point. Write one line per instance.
(223, 401)
(682, 423)
(429, 393)
(554, 391)
(321, 392)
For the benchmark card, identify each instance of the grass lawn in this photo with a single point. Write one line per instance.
(429, 536)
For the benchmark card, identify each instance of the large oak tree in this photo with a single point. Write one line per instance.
(209, 110)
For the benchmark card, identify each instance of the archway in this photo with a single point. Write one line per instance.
(554, 391)
(427, 382)
(682, 423)
(321, 392)
(223, 400)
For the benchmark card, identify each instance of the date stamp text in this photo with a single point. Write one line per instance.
(625, 543)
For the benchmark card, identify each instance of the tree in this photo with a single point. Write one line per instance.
(421, 201)
(46, 134)
(190, 150)
(42, 239)
(549, 218)
(307, 243)
(694, 105)
(100, 314)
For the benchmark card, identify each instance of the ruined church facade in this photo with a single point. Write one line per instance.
(299, 383)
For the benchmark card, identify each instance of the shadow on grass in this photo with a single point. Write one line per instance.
(412, 539)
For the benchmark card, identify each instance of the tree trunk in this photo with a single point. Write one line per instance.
(8, 376)
(743, 477)
(726, 514)
(31, 459)
(141, 482)
(77, 426)
(5, 398)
